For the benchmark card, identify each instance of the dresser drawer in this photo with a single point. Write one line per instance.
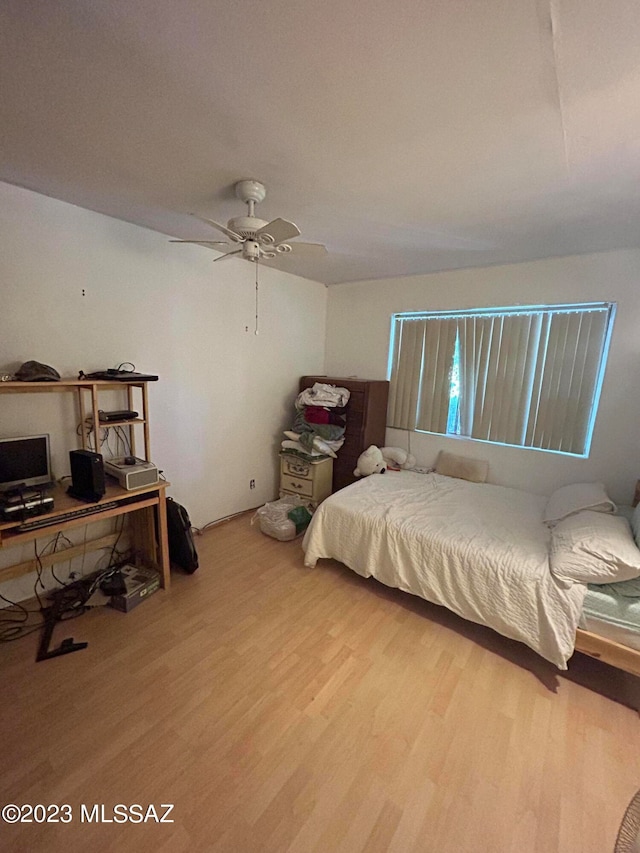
(297, 484)
(295, 466)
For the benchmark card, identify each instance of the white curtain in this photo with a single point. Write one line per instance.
(420, 374)
(406, 370)
(435, 391)
(566, 380)
(497, 366)
(526, 377)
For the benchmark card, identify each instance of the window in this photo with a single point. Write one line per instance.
(523, 376)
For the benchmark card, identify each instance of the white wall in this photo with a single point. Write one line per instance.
(359, 320)
(224, 395)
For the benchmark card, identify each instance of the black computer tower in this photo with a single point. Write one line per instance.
(87, 475)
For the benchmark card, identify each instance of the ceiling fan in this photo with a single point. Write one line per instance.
(257, 239)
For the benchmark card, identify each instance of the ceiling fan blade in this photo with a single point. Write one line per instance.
(277, 231)
(309, 249)
(203, 242)
(237, 238)
(294, 256)
(227, 255)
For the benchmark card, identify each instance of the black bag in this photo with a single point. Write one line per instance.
(182, 551)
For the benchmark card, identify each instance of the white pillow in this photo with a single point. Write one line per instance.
(568, 500)
(635, 524)
(593, 547)
(462, 467)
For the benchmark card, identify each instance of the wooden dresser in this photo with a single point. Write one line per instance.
(366, 421)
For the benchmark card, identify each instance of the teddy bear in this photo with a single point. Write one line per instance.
(396, 457)
(370, 461)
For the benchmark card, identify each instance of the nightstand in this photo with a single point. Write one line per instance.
(307, 478)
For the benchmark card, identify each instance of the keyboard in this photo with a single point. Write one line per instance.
(37, 523)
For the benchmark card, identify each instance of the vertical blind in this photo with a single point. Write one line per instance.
(523, 376)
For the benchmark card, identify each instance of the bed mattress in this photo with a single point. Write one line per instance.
(478, 549)
(613, 611)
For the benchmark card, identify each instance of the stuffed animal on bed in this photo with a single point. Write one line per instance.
(370, 461)
(396, 457)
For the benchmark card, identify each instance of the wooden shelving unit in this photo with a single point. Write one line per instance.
(87, 391)
(146, 508)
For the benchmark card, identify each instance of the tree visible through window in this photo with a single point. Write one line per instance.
(453, 418)
(523, 376)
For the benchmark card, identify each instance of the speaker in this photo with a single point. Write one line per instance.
(87, 475)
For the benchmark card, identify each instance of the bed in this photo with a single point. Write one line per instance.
(482, 551)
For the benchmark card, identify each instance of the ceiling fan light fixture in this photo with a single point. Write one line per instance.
(251, 250)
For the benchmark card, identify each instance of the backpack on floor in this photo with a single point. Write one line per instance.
(182, 551)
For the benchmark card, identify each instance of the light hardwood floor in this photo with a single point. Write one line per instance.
(287, 709)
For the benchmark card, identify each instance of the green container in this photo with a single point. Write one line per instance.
(300, 516)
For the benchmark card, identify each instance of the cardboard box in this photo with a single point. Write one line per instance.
(140, 582)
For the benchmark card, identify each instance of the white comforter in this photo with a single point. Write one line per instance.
(478, 549)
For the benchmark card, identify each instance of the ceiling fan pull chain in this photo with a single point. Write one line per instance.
(256, 331)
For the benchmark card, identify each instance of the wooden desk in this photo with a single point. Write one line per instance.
(147, 512)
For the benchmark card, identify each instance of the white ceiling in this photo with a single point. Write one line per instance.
(408, 136)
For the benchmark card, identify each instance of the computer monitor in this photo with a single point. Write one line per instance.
(24, 461)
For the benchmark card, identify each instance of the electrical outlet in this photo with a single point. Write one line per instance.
(252, 484)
